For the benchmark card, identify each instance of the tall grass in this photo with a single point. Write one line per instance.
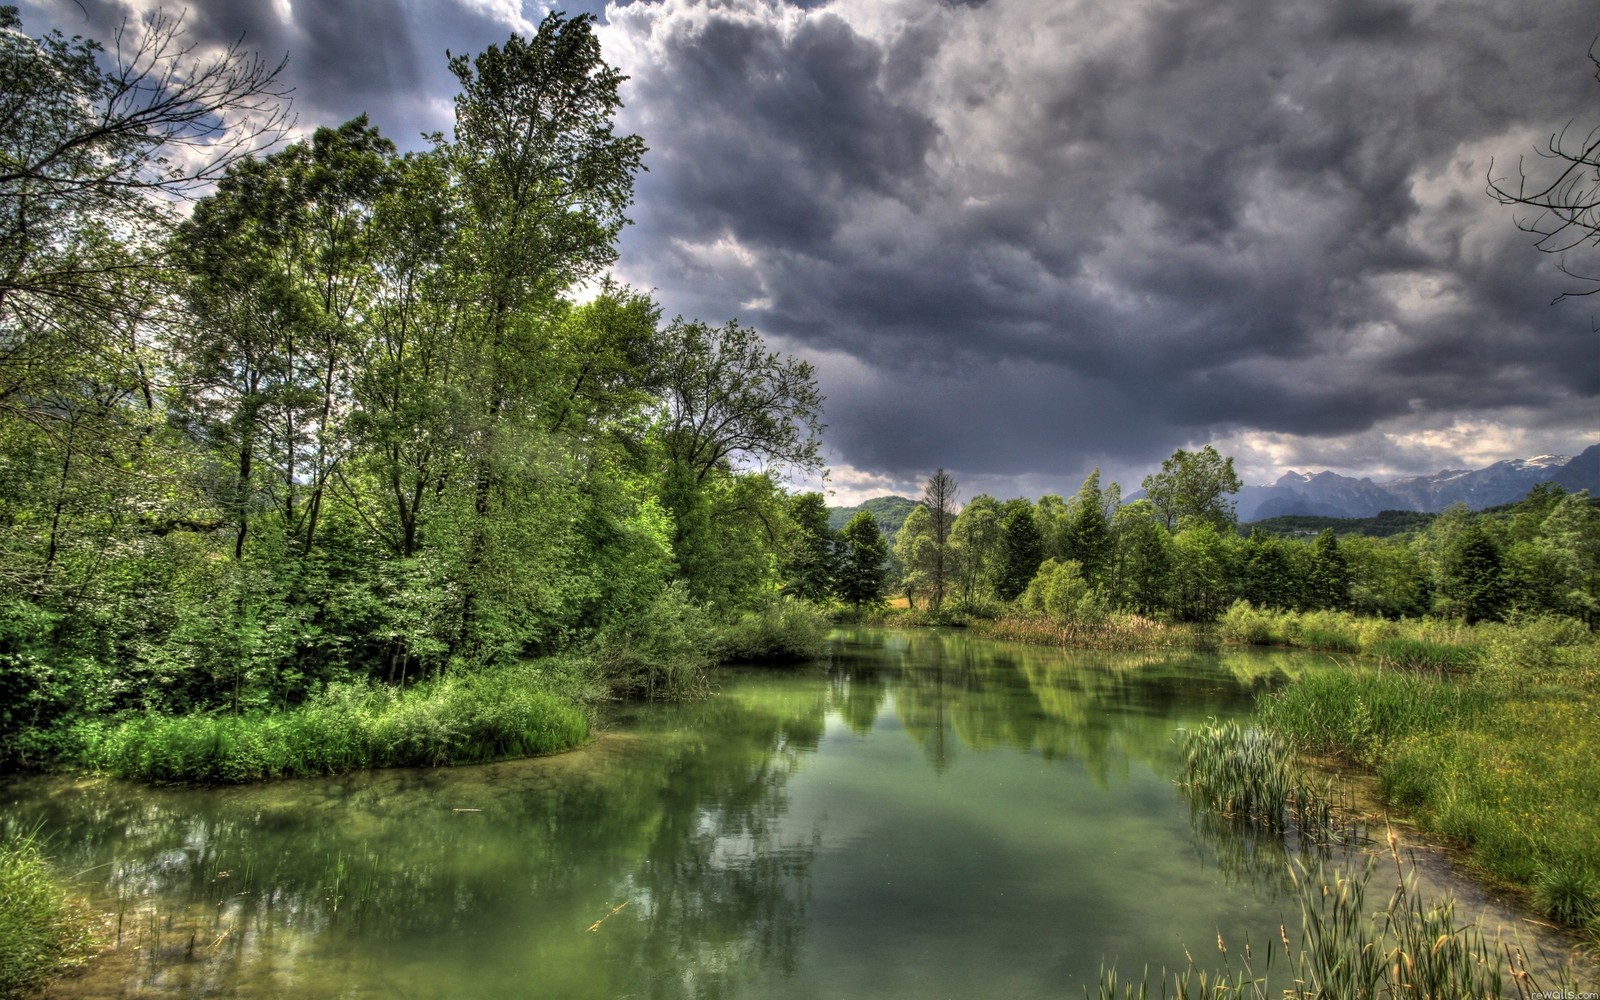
(463, 718)
(1413, 644)
(1250, 775)
(1504, 761)
(42, 931)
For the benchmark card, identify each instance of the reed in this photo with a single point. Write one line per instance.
(1249, 774)
(1115, 631)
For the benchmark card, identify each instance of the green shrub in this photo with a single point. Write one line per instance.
(663, 651)
(785, 630)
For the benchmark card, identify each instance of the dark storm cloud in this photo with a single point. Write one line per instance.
(1021, 237)
(1208, 218)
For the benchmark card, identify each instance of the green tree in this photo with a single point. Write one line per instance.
(1204, 572)
(915, 551)
(1141, 559)
(863, 561)
(1386, 578)
(1060, 591)
(1021, 550)
(809, 561)
(975, 545)
(1473, 588)
(1194, 486)
(1088, 536)
(1267, 573)
(1327, 584)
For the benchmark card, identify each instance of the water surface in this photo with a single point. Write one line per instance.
(923, 815)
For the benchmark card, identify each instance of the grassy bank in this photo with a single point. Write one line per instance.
(42, 930)
(463, 718)
(1507, 766)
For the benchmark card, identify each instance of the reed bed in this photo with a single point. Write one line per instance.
(1249, 774)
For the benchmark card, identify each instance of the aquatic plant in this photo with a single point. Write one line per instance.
(1249, 774)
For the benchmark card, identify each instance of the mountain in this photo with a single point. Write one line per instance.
(1327, 494)
(890, 513)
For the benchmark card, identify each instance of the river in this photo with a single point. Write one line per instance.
(924, 814)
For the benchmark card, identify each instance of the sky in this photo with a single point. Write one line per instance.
(1023, 239)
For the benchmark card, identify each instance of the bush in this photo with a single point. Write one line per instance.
(783, 631)
(1243, 622)
(663, 651)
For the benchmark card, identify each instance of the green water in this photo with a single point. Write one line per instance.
(924, 815)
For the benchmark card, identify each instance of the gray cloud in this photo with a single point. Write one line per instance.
(1207, 219)
(1026, 237)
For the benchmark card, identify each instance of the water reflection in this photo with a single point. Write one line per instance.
(924, 809)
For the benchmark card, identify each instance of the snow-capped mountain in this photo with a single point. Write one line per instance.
(1331, 495)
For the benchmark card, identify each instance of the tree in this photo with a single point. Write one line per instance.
(914, 551)
(1327, 585)
(862, 558)
(1473, 588)
(939, 498)
(1021, 550)
(809, 562)
(1059, 591)
(1566, 203)
(975, 544)
(1088, 534)
(1267, 577)
(728, 401)
(95, 146)
(1194, 486)
(1142, 558)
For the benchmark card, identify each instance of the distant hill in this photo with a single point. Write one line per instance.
(890, 512)
(1329, 495)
